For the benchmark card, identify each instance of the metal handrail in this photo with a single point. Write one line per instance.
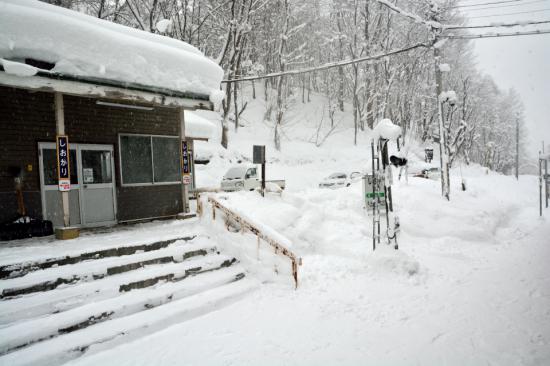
(279, 248)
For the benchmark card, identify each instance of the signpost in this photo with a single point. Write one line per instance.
(63, 164)
(258, 157)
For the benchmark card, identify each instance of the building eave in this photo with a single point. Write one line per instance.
(104, 88)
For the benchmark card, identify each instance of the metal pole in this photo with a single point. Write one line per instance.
(375, 199)
(546, 180)
(517, 147)
(540, 185)
(263, 178)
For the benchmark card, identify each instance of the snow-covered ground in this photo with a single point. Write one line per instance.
(469, 285)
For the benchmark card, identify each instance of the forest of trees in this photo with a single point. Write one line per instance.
(257, 37)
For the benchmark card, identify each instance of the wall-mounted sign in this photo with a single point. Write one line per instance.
(63, 164)
(186, 163)
(88, 175)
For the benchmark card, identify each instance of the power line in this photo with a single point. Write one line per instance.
(329, 65)
(515, 13)
(497, 35)
(506, 6)
(516, 24)
(491, 3)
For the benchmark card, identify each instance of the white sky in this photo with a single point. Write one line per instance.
(519, 62)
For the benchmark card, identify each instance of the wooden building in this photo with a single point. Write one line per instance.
(124, 135)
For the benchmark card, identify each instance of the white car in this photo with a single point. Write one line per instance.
(338, 180)
(245, 178)
(431, 173)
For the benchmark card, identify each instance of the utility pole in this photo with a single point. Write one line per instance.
(517, 147)
(445, 189)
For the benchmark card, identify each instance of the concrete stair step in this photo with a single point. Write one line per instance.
(53, 277)
(77, 294)
(28, 332)
(110, 333)
(21, 269)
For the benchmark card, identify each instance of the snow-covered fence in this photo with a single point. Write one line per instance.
(261, 235)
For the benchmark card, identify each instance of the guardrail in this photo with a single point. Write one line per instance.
(245, 225)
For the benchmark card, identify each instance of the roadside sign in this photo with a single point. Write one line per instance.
(258, 154)
(187, 179)
(63, 163)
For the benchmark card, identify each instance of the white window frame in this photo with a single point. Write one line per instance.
(122, 184)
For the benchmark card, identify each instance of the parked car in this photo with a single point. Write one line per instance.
(338, 180)
(431, 173)
(245, 177)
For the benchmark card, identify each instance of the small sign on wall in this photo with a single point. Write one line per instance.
(88, 175)
(63, 164)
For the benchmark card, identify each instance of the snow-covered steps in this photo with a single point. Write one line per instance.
(109, 299)
(78, 294)
(93, 269)
(110, 333)
(33, 330)
(21, 269)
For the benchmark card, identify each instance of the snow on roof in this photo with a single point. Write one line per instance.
(197, 127)
(81, 45)
(387, 130)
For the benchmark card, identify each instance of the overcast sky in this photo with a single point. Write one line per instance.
(520, 62)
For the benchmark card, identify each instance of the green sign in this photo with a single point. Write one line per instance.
(378, 194)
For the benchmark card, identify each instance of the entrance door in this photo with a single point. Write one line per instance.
(52, 206)
(97, 179)
(92, 200)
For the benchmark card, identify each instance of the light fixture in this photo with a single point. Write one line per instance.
(128, 106)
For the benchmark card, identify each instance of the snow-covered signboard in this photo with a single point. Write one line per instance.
(63, 167)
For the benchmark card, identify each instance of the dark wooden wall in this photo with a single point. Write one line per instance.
(27, 118)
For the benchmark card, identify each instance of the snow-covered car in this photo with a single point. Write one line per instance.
(431, 173)
(338, 180)
(245, 178)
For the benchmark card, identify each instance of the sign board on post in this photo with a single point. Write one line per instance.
(63, 164)
(258, 154)
(186, 163)
(258, 157)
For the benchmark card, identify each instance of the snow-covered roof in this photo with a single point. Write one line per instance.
(83, 46)
(197, 127)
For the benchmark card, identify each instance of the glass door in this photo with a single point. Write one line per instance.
(52, 206)
(97, 181)
(92, 198)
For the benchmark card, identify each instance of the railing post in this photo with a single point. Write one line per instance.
(258, 248)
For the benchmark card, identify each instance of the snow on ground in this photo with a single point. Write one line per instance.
(469, 284)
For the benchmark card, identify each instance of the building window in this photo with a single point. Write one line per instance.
(148, 159)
